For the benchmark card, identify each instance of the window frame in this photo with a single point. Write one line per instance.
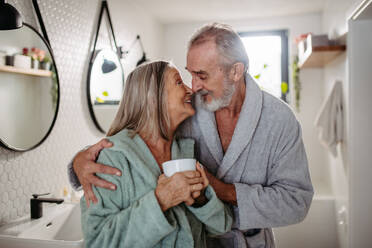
(283, 34)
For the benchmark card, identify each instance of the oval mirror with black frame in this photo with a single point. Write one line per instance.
(29, 89)
(105, 87)
(105, 78)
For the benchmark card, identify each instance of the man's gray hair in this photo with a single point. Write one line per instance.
(229, 44)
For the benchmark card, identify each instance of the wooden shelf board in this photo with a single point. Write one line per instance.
(340, 48)
(320, 56)
(32, 72)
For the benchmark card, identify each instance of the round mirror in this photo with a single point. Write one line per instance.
(105, 87)
(29, 89)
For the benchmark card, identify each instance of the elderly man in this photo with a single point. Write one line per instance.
(249, 141)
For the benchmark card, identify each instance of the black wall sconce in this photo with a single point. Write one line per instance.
(143, 59)
(9, 17)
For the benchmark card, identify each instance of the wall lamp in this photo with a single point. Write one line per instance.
(9, 17)
(143, 59)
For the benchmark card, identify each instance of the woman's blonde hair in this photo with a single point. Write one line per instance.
(143, 107)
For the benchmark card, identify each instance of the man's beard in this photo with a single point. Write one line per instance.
(216, 103)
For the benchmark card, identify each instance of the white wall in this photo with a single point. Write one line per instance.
(71, 27)
(336, 70)
(175, 43)
(317, 230)
(130, 20)
(335, 15)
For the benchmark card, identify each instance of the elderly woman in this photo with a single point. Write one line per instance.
(149, 209)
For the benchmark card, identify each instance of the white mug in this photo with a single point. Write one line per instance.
(173, 166)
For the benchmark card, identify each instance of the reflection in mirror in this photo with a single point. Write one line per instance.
(105, 86)
(29, 89)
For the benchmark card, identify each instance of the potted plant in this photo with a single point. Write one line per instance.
(296, 82)
(46, 63)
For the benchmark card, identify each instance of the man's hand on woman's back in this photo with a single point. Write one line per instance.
(86, 168)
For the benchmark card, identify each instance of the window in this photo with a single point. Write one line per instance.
(268, 60)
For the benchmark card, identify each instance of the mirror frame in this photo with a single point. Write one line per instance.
(94, 52)
(10, 147)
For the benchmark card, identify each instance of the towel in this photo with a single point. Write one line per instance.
(330, 120)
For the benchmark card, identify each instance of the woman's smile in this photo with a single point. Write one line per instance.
(179, 97)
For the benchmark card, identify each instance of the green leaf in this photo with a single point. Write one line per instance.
(284, 87)
(266, 65)
(257, 76)
(105, 93)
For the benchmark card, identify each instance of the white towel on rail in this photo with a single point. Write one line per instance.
(330, 120)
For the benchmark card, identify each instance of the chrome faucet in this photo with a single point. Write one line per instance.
(37, 207)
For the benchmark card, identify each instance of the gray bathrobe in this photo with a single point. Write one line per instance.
(266, 161)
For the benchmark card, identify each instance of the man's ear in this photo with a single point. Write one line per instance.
(237, 71)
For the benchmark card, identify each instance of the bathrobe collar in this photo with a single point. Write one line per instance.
(180, 148)
(245, 127)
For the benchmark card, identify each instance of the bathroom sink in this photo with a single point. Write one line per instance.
(59, 227)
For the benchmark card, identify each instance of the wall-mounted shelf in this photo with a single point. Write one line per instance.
(32, 72)
(311, 55)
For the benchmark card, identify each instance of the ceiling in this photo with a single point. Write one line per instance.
(173, 11)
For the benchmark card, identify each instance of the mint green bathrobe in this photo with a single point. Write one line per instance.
(131, 215)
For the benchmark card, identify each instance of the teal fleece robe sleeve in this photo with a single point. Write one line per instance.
(210, 214)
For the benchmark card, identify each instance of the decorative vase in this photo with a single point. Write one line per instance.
(46, 65)
(35, 64)
(22, 61)
(9, 60)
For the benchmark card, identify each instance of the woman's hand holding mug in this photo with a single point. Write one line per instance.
(178, 188)
(187, 186)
